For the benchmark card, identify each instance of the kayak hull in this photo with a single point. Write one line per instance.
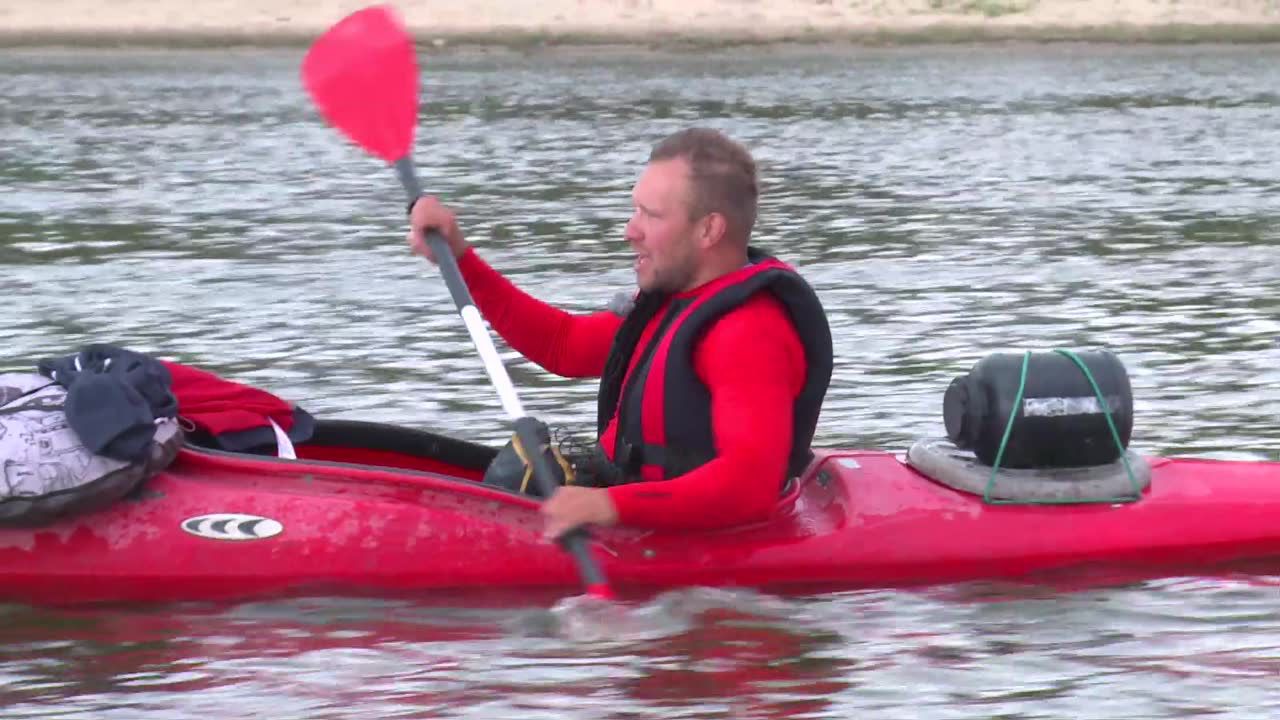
(219, 526)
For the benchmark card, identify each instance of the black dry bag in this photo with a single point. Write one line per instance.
(1058, 420)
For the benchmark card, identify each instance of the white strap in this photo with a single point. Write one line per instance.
(283, 444)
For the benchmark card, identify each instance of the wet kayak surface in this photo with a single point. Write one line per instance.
(945, 203)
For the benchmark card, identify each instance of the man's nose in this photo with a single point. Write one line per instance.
(631, 233)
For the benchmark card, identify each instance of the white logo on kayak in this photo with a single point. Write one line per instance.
(232, 526)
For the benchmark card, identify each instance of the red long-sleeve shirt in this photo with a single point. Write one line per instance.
(751, 360)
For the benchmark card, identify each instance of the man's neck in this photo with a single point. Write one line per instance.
(718, 267)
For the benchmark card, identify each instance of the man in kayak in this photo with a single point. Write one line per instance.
(710, 388)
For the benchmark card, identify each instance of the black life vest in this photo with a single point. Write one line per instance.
(664, 410)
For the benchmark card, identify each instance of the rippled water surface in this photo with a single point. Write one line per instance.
(946, 203)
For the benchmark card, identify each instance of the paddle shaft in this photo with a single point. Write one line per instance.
(525, 427)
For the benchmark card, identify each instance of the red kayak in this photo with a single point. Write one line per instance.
(371, 509)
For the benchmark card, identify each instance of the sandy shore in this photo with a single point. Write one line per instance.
(451, 22)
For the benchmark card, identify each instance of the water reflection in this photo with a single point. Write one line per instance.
(1192, 646)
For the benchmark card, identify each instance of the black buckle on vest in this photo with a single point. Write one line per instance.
(629, 458)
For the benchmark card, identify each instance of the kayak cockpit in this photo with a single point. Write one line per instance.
(381, 446)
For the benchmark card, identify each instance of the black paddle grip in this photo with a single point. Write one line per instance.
(575, 541)
(444, 256)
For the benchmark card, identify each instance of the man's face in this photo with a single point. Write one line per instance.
(660, 231)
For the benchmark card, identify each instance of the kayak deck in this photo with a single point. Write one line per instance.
(220, 526)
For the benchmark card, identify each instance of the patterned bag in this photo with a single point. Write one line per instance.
(45, 470)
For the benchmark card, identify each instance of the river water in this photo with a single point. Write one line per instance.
(945, 202)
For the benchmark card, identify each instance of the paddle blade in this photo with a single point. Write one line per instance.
(363, 78)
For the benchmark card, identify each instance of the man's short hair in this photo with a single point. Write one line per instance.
(722, 176)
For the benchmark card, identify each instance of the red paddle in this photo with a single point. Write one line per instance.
(363, 77)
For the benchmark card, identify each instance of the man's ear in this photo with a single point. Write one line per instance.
(713, 230)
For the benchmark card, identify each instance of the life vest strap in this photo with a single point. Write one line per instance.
(630, 458)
